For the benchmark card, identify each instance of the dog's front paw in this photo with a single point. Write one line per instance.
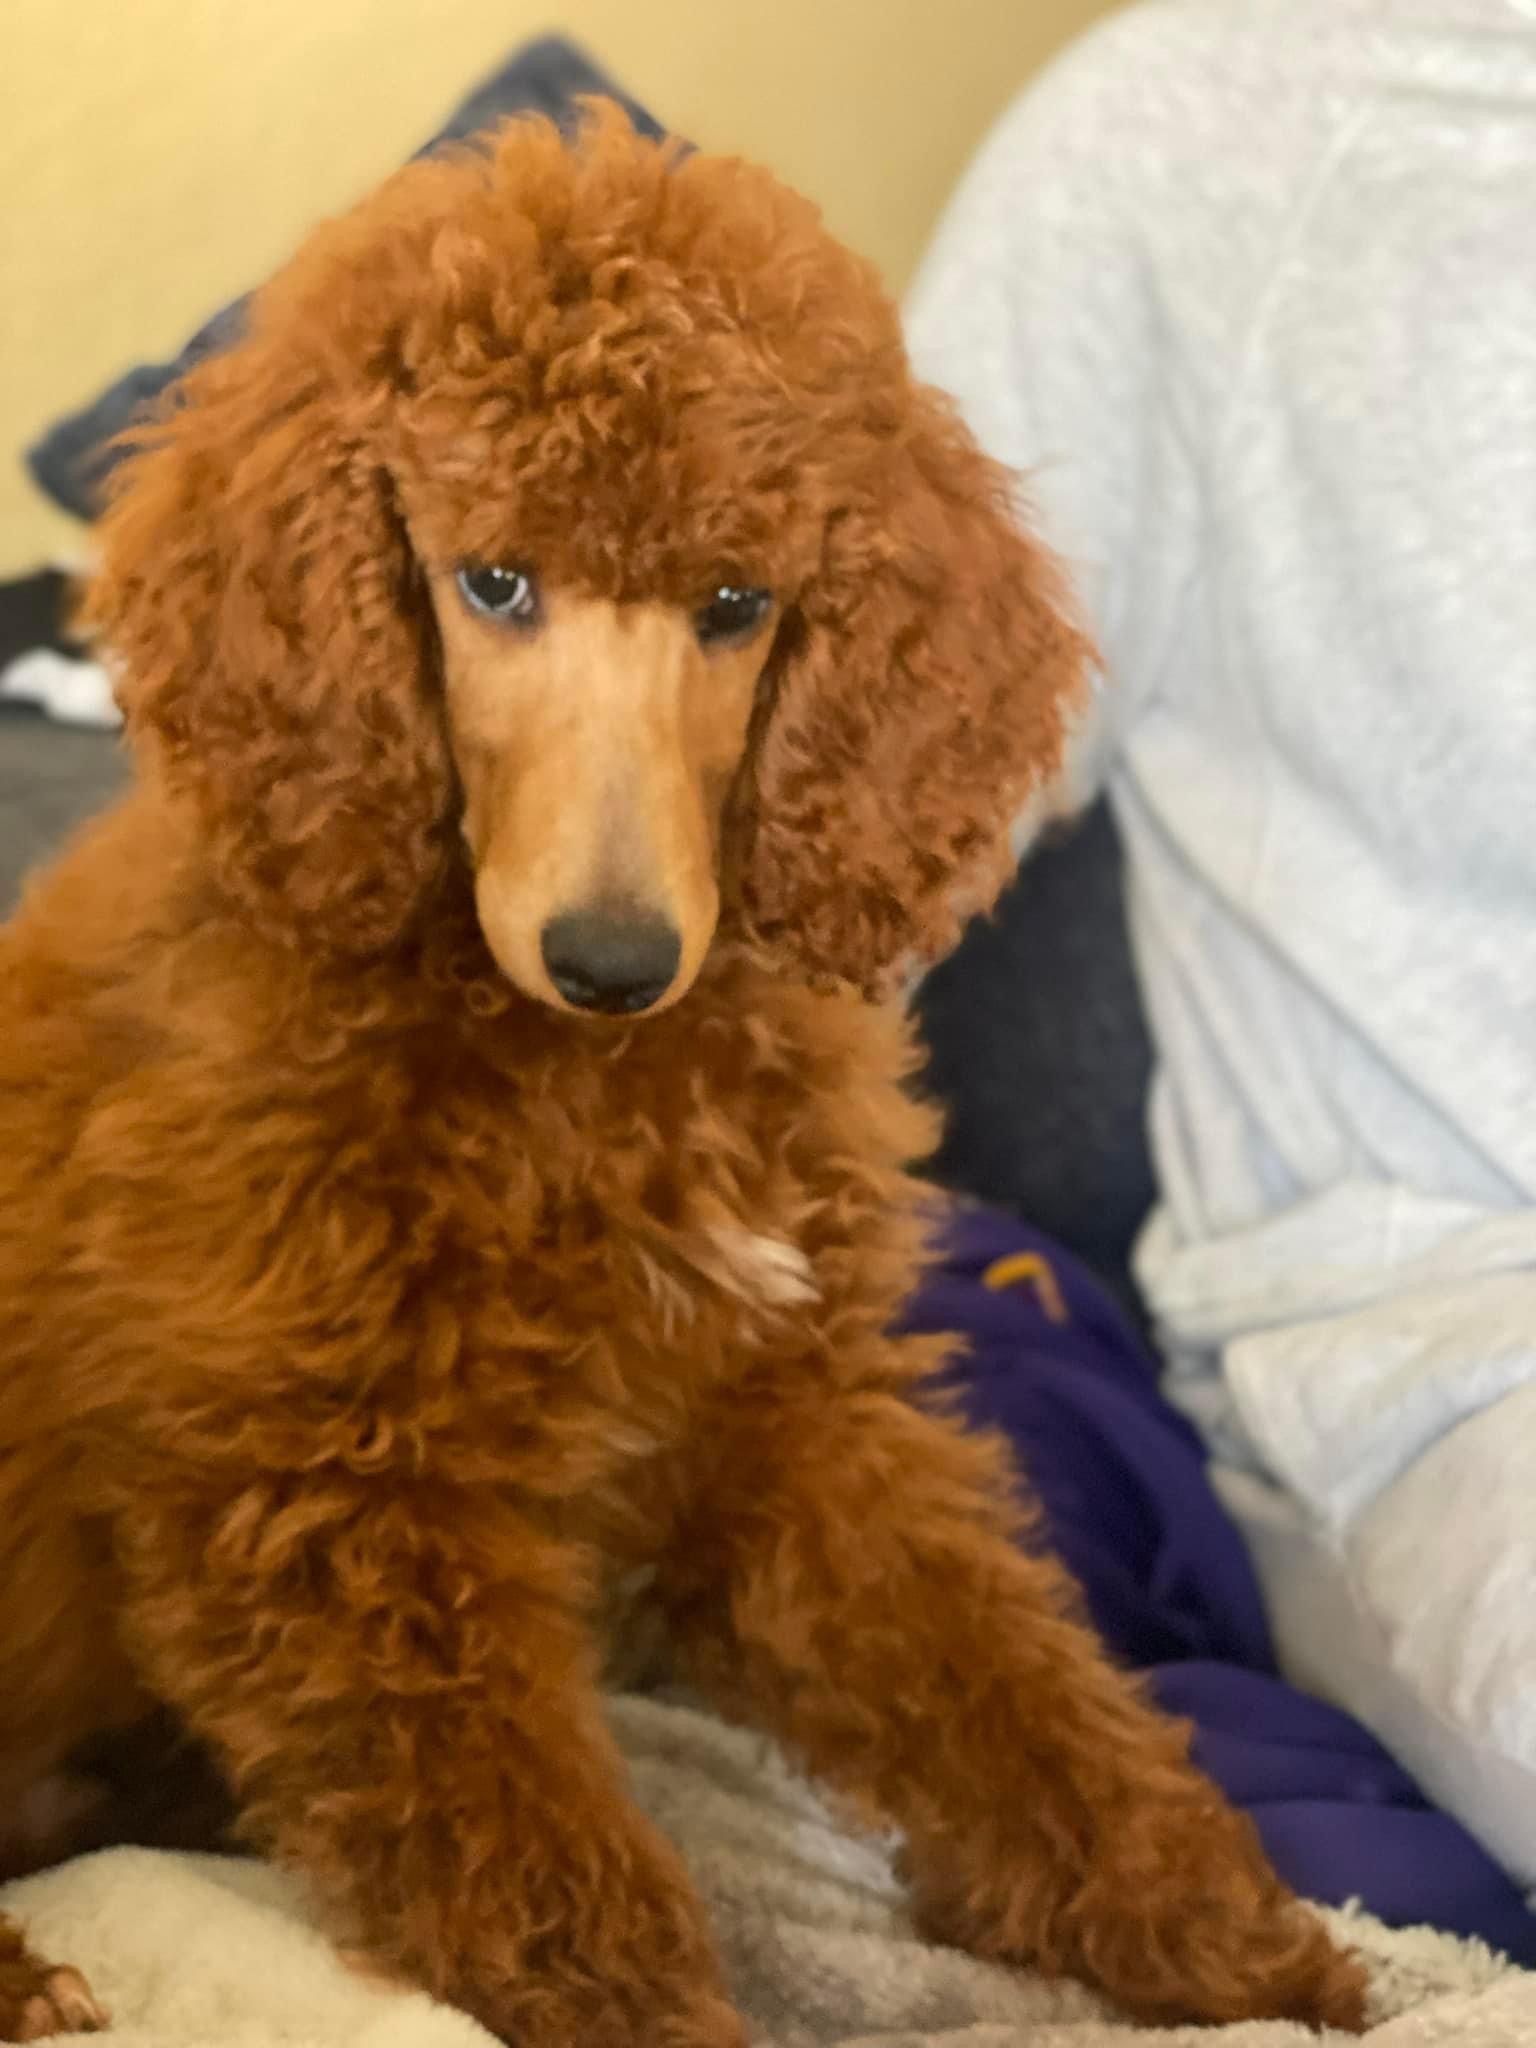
(1176, 1915)
(634, 1967)
(544, 2014)
(1182, 1918)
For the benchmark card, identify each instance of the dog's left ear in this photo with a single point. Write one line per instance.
(927, 678)
(273, 653)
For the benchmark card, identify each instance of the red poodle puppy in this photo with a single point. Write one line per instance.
(452, 1149)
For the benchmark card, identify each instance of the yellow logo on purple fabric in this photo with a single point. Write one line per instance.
(1029, 1269)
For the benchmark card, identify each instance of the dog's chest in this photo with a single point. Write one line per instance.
(632, 1229)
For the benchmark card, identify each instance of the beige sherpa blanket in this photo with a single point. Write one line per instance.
(201, 1952)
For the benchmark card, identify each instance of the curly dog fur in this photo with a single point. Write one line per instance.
(374, 1322)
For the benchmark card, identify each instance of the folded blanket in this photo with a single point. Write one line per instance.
(192, 1951)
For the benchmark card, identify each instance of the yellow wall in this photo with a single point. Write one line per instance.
(156, 156)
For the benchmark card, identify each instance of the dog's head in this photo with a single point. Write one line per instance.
(569, 522)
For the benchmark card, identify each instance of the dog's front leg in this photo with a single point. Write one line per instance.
(398, 1681)
(854, 1582)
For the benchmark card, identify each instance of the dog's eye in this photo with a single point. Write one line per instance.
(499, 593)
(731, 614)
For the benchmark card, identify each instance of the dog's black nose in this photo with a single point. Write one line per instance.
(603, 960)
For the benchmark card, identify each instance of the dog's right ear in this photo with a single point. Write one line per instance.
(923, 703)
(259, 604)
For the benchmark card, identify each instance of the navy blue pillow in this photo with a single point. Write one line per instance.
(73, 458)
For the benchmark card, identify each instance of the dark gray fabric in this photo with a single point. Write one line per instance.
(52, 778)
(73, 458)
(1039, 1051)
(34, 613)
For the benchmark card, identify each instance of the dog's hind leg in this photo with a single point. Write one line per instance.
(37, 1998)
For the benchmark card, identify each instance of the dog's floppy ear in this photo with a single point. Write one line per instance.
(926, 682)
(258, 601)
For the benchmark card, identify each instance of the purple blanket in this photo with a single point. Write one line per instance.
(1053, 1363)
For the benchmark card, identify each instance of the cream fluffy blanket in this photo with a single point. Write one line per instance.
(200, 1952)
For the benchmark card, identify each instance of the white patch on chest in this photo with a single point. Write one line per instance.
(759, 1271)
(765, 1270)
